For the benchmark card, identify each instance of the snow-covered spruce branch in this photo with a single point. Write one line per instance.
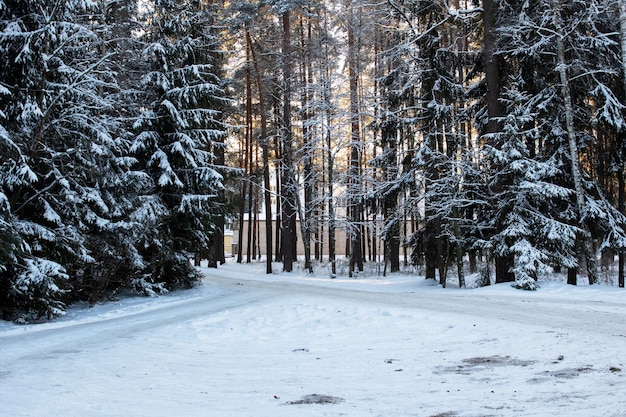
(77, 81)
(36, 196)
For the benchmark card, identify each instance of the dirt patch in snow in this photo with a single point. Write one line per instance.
(317, 399)
(483, 362)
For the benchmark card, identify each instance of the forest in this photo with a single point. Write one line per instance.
(462, 136)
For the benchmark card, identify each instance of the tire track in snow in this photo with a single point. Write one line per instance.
(556, 313)
(66, 337)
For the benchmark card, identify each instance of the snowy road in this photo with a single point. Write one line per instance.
(602, 316)
(54, 339)
(246, 344)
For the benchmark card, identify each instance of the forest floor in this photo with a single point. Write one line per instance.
(246, 344)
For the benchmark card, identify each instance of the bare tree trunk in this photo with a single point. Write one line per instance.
(265, 155)
(241, 223)
(331, 180)
(492, 70)
(289, 186)
(621, 208)
(331, 202)
(244, 157)
(461, 48)
(571, 276)
(377, 76)
(622, 21)
(328, 188)
(573, 145)
(249, 130)
(250, 225)
(256, 251)
(305, 215)
(279, 203)
(216, 250)
(355, 191)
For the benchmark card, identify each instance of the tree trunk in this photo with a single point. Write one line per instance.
(494, 108)
(354, 178)
(289, 186)
(249, 129)
(256, 250)
(331, 201)
(242, 208)
(571, 276)
(265, 155)
(279, 204)
(459, 249)
(573, 145)
(216, 249)
(622, 20)
(621, 207)
(491, 66)
(305, 215)
(330, 173)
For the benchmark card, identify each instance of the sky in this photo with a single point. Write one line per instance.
(247, 344)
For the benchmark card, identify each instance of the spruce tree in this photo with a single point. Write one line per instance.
(178, 138)
(561, 52)
(57, 148)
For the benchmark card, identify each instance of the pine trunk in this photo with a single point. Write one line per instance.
(305, 214)
(288, 183)
(330, 174)
(265, 155)
(249, 128)
(621, 207)
(622, 20)
(494, 108)
(356, 254)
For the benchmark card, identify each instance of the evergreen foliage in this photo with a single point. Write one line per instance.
(548, 216)
(85, 208)
(177, 136)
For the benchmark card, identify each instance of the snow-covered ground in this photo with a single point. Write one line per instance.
(244, 344)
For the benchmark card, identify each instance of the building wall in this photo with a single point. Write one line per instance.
(228, 243)
(340, 240)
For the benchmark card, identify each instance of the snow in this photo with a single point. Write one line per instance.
(247, 344)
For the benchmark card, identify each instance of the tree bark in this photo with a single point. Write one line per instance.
(330, 175)
(491, 66)
(622, 21)
(249, 129)
(573, 145)
(621, 207)
(494, 108)
(245, 157)
(265, 155)
(355, 187)
(288, 183)
(279, 203)
(306, 214)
